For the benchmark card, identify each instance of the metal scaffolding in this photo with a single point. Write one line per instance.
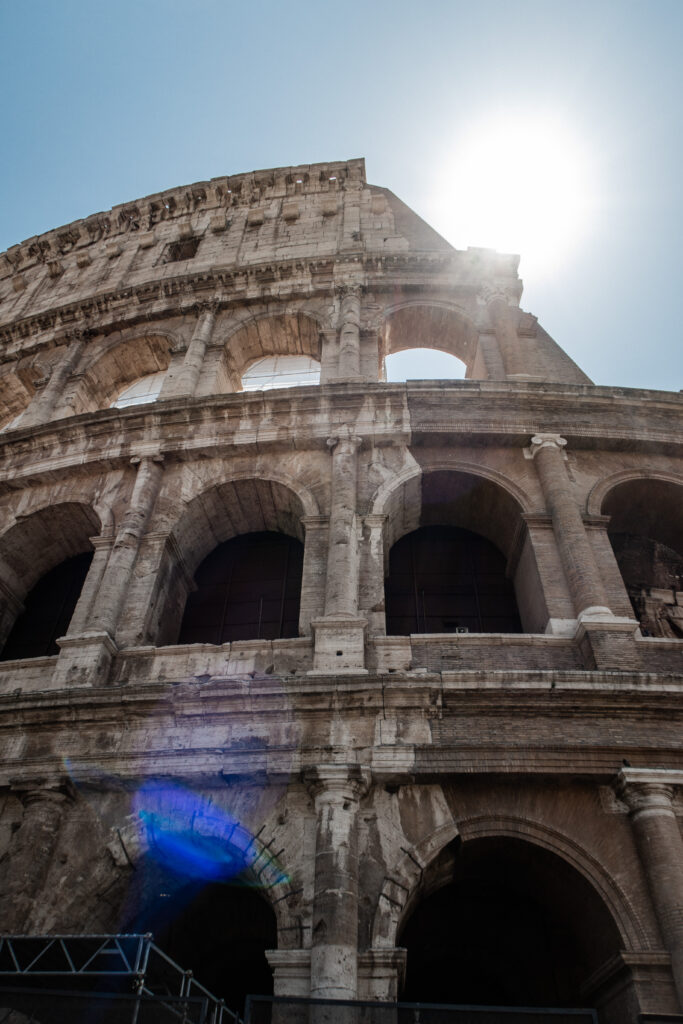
(100, 967)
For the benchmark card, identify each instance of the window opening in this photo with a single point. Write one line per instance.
(281, 372)
(423, 364)
(185, 249)
(443, 579)
(48, 610)
(146, 389)
(248, 588)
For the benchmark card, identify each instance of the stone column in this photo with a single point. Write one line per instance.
(30, 854)
(341, 590)
(349, 333)
(340, 634)
(44, 404)
(184, 383)
(313, 576)
(80, 620)
(649, 797)
(504, 320)
(337, 790)
(117, 575)
(86, 658)
(585, 584)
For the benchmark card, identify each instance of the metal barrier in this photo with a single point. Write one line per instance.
(102, 965)
(281, 1010)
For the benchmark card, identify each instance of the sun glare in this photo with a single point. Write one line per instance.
(517, 184)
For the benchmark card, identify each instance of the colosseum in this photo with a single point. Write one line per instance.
(340, 689)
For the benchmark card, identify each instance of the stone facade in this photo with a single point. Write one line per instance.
(534, 778)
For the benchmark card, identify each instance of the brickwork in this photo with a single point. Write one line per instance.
(368, 771)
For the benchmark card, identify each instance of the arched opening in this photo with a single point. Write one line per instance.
(228, 510)
(447, 580)
(272, 372)
(44, 559)
(122, 366)
(47, 611)
(218, 930)
(423, 364)
(140, 392)
(197, 890)
(291, 340)
(451, 538)
(646, 533)
(248, 588)
(502, 922)
(420, 326)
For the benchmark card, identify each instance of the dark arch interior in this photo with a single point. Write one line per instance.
(248, 588)
(218, 930)
(505, 923)
(646, 533)
(443, 579)
(48, 610)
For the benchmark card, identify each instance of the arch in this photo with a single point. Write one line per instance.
(289, 332)
(190, 864)
(241, 505)
(35, 545)
(438, 325)
(601, 489)
(105, 370)
(40, 540)
(402, 885)
(401, 499)
(646, 533)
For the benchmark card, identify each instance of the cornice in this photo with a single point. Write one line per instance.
(214, 426)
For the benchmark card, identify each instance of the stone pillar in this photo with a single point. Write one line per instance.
(649, 797)
(86, 658)
(184, 383)
(340, 634)
(349, 333)
(605, 640)
(313, 576)
(46, 401)
(341, 590)
(585, 585)
(30, 854)
(337, 790)
(504, 320)
(80, 620)
(114, 586)
(371, 588)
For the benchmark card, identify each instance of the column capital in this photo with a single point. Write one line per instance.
(540, 441)
(344, 442)
(41, 791)
(336, 783)
(206, 306)
(351, 289)
(648, 791)
(490, 292)
(139, 460)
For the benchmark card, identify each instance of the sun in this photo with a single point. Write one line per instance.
(522, 184)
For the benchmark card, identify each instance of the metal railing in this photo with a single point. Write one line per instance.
(283, 1010)
(87, 959)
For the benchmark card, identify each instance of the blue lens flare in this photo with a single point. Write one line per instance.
(190, 836)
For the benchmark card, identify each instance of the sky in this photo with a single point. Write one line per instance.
(551, 128)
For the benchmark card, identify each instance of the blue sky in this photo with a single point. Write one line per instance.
(107, 102)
